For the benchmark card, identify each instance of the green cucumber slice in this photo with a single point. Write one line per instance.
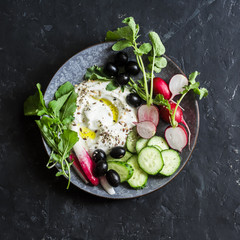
(140, 144)
(123, 159)
(124, 170)
(131, 140)
(139, 177)
(158, 141)
(172, 160)
(150, 160)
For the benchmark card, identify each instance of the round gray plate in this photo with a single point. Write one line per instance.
(73, 71)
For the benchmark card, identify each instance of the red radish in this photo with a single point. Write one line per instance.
(164, 114)
(86, 163)
(176, 84)
(176, 137)
(78, 168)
(146, 129)
(148, 113)
(161, 87)
(107, 187)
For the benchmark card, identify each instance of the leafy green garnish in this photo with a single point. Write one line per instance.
(96, 73)
(54, 124)
(111, 86)
(127, 37)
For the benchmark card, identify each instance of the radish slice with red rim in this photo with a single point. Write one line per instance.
(146, 129)
(176, 137)
(148, 113)
(177, 84)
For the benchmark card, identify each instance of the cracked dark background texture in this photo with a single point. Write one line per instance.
(202, 202)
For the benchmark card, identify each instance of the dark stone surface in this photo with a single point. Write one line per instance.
(203, 202)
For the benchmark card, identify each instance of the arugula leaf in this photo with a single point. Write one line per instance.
(56, 105)
(120, 45)
(111, 86)
(54, 124)
(67, 140)
(158, 47)
(47, 135)
(64, 89)
(68, 109)
(96, 73)
(35, 105)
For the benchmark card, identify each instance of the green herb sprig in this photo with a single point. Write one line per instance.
(53, 124)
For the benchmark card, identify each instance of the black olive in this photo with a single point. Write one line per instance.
(99, 155)
(122, 78)
(117, 152)
(121, 59)
(111, 69)
(132, 68)
(113, 178)
(101, 168)
(133, 100)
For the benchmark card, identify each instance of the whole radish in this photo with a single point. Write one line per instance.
(161, 87)
(165, 116)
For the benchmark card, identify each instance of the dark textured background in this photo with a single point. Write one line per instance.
(203, 202)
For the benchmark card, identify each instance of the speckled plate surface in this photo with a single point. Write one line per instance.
(73, 71)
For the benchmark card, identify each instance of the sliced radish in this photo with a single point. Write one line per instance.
(161, 87)
(78, 168)
(177, 84)
(146, 129)
(106, 186)
(86, 163)
(165, 116)
(176, 137)
(148, 113)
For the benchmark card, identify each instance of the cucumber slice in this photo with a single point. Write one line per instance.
(139, 177)
(157, 147)
(172, 160)
(123, 159)
(158, 141)
(131, 140)
(124, 170)
(140, 144)
(150, 160)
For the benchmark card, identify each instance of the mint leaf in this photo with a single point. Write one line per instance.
(111, 86)
(96, 73)
(35, 105)
(120, 45)
(158, 47)
(64, 89)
